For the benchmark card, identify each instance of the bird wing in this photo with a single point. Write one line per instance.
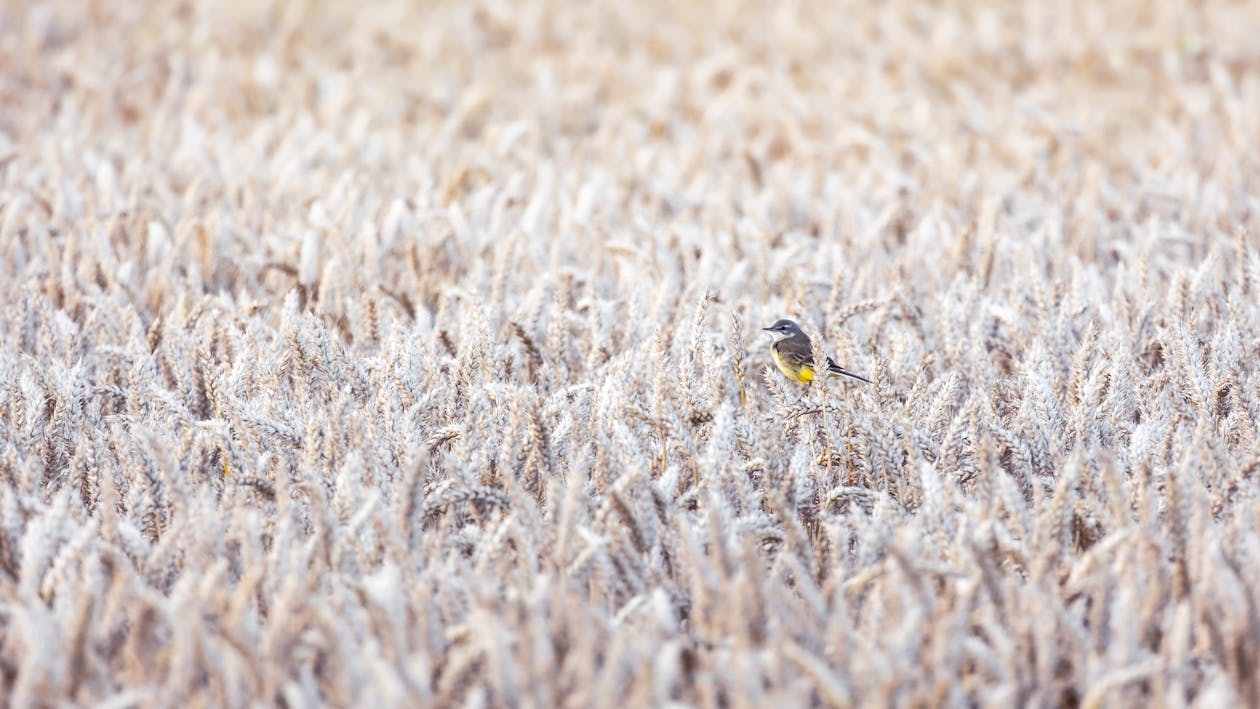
(795, 355)
(802, 355)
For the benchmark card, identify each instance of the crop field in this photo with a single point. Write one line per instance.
(409, 354)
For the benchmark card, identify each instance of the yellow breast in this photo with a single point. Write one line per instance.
(801, 373)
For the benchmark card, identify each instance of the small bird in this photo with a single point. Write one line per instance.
(794, 354)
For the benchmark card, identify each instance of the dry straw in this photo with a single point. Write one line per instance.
(407, 355)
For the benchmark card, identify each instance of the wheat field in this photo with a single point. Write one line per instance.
(409, 353)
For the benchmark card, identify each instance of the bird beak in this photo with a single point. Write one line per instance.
(767, 328)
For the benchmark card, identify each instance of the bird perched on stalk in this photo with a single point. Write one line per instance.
(793, 354)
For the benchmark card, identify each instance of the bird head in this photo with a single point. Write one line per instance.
(783, 329)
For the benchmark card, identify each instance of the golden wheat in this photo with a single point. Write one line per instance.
(406, 355)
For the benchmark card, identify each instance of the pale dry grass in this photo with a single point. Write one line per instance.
(463, 298)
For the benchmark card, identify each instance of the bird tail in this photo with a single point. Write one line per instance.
(837, 369)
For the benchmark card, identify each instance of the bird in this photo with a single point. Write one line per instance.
(793, 354)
